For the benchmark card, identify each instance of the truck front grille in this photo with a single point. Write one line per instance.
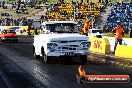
(68, 47)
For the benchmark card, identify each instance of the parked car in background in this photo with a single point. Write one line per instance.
(96, 33)
(8, 36)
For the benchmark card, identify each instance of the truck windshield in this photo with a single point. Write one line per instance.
(62, 28)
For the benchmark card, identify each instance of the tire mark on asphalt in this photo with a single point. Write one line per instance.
(5, 79)
(14, 75)
(15, 58)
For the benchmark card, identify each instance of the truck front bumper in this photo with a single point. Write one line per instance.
(78, 53)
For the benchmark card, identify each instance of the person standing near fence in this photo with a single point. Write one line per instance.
(119, 33)
(85, 29)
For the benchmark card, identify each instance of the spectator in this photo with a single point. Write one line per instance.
(118, 35)
(19, 3)
(0, 21)
(100, 1)
(87, 1)
(42, 17)
(29, 27)
(0, 4)
(81, 1)
(3, 3)
(77, 5)
(72, 2)
(12, 6)
(60, 1)
(44, 1)
(131, 31)
(106, 2)
(85, 29)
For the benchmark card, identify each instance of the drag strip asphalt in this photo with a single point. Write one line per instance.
(23, 71)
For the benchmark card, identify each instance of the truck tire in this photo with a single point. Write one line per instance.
(83, 59)
(34, 54)
(45, 57)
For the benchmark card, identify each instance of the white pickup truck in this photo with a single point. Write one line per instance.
(60, 38)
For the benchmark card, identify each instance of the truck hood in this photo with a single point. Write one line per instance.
(63, 37)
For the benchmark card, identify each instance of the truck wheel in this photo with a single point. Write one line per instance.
(83, 59)
(46, 58)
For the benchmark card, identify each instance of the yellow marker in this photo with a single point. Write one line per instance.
(123, 51)
(100, 45)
